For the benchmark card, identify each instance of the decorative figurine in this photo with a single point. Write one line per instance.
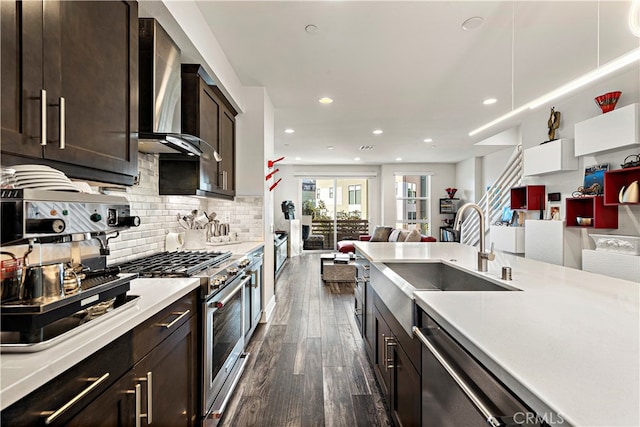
(553, 123)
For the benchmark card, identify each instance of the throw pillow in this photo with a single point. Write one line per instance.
(395, 236)
(381, 234)
(414, 236)
(403, 235)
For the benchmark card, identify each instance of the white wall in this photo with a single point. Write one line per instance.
(469, 179)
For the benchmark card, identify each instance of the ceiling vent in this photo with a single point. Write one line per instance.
(366, 147)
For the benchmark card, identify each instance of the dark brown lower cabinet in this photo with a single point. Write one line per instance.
(146, 377)
(399, 379)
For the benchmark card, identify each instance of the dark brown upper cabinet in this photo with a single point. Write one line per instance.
(207, 114)
(70, 74)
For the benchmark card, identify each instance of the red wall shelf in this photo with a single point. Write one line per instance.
(529, 197)
(591, 207)
(615, 180)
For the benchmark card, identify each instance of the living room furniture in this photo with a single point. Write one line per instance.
(333, 270)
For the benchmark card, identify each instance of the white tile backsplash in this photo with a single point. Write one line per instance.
(158, 217)
(158, 214)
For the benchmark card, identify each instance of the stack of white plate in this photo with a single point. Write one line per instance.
(41, 177)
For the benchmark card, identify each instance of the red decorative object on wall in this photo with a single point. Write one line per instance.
(270, 175)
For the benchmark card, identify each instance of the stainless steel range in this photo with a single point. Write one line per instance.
(222, 279)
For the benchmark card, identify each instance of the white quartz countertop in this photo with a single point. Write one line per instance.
(237, 248)
(22, 373)
(568, 344)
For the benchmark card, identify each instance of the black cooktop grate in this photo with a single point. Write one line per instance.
(174, 264)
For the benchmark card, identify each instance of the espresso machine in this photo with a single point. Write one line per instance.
(43, 302)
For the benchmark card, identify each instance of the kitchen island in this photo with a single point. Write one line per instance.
(567, 344)
(22, 373)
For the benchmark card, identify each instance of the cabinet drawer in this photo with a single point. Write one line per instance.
(161, 325)
(75, 388)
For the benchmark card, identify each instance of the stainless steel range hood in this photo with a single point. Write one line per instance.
(160, 95)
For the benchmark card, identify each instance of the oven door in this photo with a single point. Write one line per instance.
(224, 337)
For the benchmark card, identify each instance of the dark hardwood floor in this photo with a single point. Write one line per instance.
(308, 365)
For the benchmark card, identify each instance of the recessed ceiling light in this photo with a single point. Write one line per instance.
(377, 132)
(472, 23)
(329, 147)
(325, 100)
(298, 158)
(289, 131)
(356, 158)
(311, 28)
(428, 140)
(489, 101)
(398, 159)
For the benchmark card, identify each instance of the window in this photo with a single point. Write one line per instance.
(413, 205)
(331, 192)
(355, 194)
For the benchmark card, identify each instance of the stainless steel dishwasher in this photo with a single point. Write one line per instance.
(458, 391)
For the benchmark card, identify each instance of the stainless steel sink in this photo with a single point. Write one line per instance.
(441, 277)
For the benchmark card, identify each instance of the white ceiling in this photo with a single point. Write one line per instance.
(408, 68)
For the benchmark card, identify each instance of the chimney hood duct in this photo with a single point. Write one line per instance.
(160, 96)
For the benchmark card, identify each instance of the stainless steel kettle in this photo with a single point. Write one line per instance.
(42, 283)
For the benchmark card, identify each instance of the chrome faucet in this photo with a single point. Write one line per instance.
(483, 257)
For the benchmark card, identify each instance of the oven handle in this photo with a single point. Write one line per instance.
(468, 391)
(222, 302)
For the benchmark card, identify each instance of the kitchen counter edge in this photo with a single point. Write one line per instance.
(22, 373)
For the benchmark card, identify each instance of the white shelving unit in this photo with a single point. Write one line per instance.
(554, 156)
(549, 241)
(614, 130)
(612, 264)
(508, 239)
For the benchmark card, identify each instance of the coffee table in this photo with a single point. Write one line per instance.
(331, 271)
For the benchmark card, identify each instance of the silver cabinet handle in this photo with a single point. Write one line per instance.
(63, 127)
(137, 394)
(468, 391)
(53, 415)
(388, 361)
(149, 397)
(360, 280)
(43, 117)
(149, 415)
(176, 320)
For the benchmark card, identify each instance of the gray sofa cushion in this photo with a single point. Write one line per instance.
(381, 234)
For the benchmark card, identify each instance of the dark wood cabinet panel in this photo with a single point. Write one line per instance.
(114, 407)
(207, 114)
(21, 62)
(395, 370)
(171, 368)
(163, 349)
(84, 54)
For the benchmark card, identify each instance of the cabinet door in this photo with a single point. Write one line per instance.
(91, 60)
(369, 332)
(383, 339)
(169, 373)
(226, 148)
(208, 130)
(21, 70)
(406, 398)
(114, 407)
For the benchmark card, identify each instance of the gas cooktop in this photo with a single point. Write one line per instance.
(174, 264)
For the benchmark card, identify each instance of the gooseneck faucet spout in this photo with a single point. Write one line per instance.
(483, 257)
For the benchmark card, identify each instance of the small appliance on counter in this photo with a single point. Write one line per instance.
(45, 302)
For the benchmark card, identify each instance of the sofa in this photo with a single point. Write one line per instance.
(386, 234)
